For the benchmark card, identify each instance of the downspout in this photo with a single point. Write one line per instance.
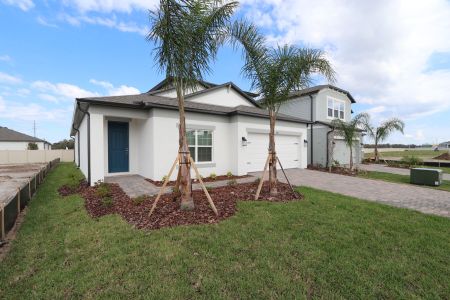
(78, 145)
(86, 112)
(328, 145)
(312, 131)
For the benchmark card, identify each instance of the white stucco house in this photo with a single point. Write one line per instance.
(14, 140)
(138, 134)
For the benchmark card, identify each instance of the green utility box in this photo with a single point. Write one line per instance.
(424, 176)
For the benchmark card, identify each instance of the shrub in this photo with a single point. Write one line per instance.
(232, 182)
(257, 180)
(209, 188)
(102, 190)
(213, 176)
(164, 178)
(411, 161)
(139, 200)
(229, 174)
(107, 201)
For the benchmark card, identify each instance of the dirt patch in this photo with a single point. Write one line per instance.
(160, 183)
(443, 156)
(168, 213)
(67, 190)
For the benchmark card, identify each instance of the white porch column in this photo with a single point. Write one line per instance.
(97, 148)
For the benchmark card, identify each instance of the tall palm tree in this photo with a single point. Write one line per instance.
(350, 131)
(277, 72)
(188, 34)
(380, 133)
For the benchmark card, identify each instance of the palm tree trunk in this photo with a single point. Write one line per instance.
(185, 168)
(273, 158)
(376, 151)
(351, 157)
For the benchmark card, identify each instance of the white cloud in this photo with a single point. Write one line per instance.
(9, 79)
(62, 91)
(110, 22)
(43, 21)
(108, 6)
(6, 58)
(22, 4)
(115, 91)
(32, 111)
(380, 49)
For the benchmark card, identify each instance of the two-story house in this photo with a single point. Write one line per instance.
(321, 104)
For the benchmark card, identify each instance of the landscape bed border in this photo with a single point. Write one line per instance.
(10, 210)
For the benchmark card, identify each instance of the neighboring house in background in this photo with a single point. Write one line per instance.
(138, 134)
(444, 146)
(13, 140)
(320, 105)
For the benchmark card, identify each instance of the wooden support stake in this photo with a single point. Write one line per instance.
(287, 179)
(258, 191)
(18, 200)
(211, 203)
(164, 185)
(2, 223)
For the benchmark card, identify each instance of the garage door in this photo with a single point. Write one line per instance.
(287, 147)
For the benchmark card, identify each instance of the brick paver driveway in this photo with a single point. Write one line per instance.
(425, 200)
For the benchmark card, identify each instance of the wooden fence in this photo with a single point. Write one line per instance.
(35, 156)
(10, 210)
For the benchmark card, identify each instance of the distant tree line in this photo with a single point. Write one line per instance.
(69, 144)
(408, 146)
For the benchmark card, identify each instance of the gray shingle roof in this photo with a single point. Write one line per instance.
(318, 88)
(9, 135)
(146, 101)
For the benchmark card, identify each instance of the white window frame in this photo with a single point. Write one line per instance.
(334, 103)
(196, 146)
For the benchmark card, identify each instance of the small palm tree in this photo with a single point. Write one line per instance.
(350, 131)
(380, 133)
(188, 35)
(275, 73)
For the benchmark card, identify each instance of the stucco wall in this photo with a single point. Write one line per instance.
(298, 107)
(83, 147)
(321, 105)
(225, 96)
(21, 146)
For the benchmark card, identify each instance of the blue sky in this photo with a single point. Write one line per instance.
(54, 51)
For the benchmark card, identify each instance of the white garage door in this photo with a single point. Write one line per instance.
(287, 147)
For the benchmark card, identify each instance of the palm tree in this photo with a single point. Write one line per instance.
(350, 131)
(380, 133)
(188, 34)
(277, 72)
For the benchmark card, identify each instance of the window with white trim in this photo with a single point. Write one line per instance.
(200, 144)
(336, 109)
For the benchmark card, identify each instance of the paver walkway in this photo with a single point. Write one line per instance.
(401, 195)
(386, 169)
(135, 185)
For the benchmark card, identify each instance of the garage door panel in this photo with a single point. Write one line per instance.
(287, 147)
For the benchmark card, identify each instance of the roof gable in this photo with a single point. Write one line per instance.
(318, 88)
(9, 135)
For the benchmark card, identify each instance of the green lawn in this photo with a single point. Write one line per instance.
(327, 246)
(444, 169)
(400, 179)
(406, 152)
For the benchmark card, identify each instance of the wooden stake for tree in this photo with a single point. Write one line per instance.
(285, 176)
(211, 203)
(164, 185)
(258, 191)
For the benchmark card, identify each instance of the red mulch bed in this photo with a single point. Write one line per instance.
(443, 156)
(206, 179)
(66, 190)
(168, 213)
(335, 170)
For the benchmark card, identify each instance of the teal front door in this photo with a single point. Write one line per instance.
(118, 147)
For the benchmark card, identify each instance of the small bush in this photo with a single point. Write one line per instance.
(102, 190)
(213, 176)
(139, 200)
(209, 188)
(257, 180)
(107, 201)
(411, 161)
(176, 190)
(229, 174)
(164, 178)
(232, 182)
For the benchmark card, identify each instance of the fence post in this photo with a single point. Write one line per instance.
(2, 224)
(18, 200)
